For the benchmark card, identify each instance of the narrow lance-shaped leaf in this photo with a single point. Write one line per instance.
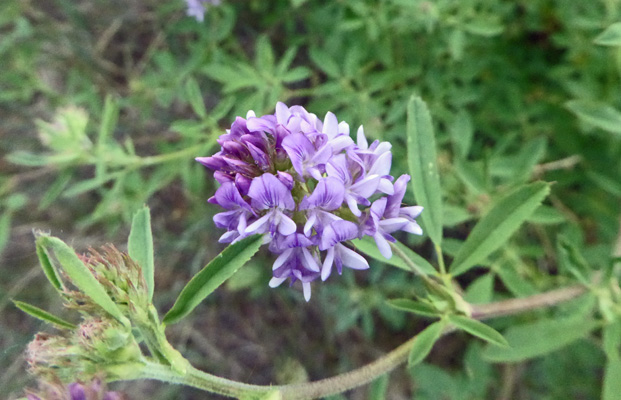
(43, 315)
(106, 128)
(413, 306)
(221, 268)
(140, 246)
(539, 338)
(422, 161)
(378, 388)
(612, 380)
(367, 246)
(479, 329)
(571, 259)
(80, 275)
(495, 228)
(424, 342)
(597, 114)
(611, 36)
(46, 265)
(195, 97)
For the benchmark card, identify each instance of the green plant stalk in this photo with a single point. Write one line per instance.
(358, 377)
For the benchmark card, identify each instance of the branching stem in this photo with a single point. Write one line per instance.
(358, 377)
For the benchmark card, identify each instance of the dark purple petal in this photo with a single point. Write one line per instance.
(223, 177)
(215, 162)
(243, 184)
(235, 149)
(260, 157)
(266, 191)
(76, 391)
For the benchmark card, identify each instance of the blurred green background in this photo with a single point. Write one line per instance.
(105, 104)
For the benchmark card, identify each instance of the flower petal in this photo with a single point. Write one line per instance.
(336, 232)
(352, 259)
(266, 191)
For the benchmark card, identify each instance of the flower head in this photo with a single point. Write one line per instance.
(196, 8)
(310, 189)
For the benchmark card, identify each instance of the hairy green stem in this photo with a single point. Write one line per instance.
(358, 377)
(201, 380)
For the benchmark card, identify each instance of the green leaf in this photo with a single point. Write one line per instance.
(424, 342)
(43, 315)
(367, 246)
(611, 36)
(413, 306)
(296, 74)
(140, 246)
(611, 340)
(46, 264)
(422, 161)
(222, 267)
(484, 27)
(66, 258)
(325, 62)
(597, 114)
(481, 290)
(571, 259)
(479, 329)
(461, 132)
(264, 54)
(495, 228)
(612, 380)
(195, 97)
(539, 338)
(5, 229)
(378, 388)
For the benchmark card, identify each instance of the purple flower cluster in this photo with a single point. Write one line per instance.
(196, 8)
(309, 188)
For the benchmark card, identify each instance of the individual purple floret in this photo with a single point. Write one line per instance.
(310, 189)
(74, 391)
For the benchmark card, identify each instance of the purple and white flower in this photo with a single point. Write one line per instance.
(310, 189)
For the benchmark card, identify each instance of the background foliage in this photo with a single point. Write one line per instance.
(104, 105)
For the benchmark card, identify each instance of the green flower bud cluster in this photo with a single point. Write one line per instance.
(98, 345)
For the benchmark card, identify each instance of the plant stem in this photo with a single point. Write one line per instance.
(440, 259)
(202, 380)
(515, 306)
(358, 377)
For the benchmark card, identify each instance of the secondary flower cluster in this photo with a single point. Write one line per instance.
(197, 8)
(309, 188)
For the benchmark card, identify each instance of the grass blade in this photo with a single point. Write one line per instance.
(140, 246)
(495, 228)
(422, 161)
(221, 268)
